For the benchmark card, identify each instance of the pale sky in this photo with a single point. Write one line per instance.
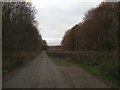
(57, 16)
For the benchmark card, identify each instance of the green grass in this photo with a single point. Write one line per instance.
(103, 65)
(97, 72)
(93, 69)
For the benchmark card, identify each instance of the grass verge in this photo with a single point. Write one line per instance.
(14, 59)
(100, 64)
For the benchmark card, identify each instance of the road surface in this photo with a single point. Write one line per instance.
(44, 73)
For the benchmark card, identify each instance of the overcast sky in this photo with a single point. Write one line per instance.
(57, 16)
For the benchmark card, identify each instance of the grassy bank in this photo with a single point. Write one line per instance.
(103, 65)
(14, 59)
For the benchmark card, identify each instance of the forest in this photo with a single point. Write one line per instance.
(91, 44)
(20, 36)
(20, 27)
(95, 42)
(97, 32)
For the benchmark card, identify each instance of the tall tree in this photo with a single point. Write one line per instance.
(98, 31)
(19, 26)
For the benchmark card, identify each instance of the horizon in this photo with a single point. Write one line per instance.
(64, 17)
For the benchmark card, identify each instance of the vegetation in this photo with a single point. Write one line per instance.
(97, 32)
(96, 41)
(101, 64)
(20, 35)
(16, 59)
(19, 27)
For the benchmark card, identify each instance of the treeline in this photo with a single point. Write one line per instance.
(19, 27)
(97, 32)
(21, 41)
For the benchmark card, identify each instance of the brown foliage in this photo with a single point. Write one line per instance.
(97, 32)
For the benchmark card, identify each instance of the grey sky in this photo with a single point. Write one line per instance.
(57, 16)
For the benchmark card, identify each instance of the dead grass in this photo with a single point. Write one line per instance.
(101, 64)
(13, 59)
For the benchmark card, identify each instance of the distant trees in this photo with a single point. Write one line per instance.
(19, 27)
(98, 31)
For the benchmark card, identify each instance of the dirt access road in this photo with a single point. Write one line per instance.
(44, 73)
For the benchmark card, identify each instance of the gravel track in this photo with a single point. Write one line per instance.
(44, 73)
